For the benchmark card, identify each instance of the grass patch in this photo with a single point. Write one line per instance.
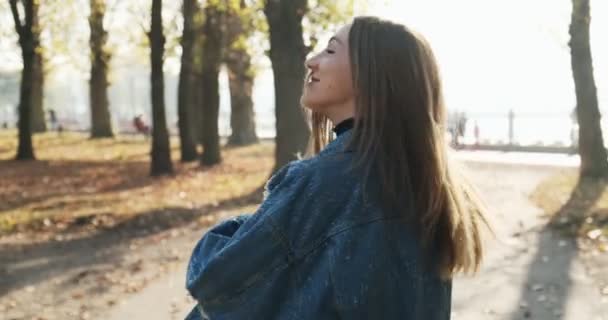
(77, 180)
(577, 208)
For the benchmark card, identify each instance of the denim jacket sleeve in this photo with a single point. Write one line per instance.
(212, 242)
(215, 238)
(238, 253)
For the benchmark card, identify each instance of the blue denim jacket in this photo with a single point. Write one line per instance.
(317, 248)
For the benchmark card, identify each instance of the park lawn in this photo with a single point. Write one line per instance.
(583, 214)
(79, 182)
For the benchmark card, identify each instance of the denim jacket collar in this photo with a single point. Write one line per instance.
(340, 144)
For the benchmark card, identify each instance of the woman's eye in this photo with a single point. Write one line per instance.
(330, 51)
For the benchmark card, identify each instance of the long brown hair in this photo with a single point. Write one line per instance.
(399, 135)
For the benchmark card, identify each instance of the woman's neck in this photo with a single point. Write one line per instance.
(340, 112)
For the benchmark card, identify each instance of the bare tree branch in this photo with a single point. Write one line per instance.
(16, 18)
(28, 6)
(139, 19)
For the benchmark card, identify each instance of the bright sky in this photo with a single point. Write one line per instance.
(494, 54)
(502, 54)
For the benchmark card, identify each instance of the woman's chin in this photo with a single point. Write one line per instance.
(306, 103)
(311, 104)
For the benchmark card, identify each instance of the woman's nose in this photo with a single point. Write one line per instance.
(312, 63)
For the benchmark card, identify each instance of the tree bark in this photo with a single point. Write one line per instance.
(197, 81)
(37, 100)
(197, 84)
(185, 99)
(197, 97)
(242, 115)
(594, 162)
(241, 78)
(212, 57)
(101, 123)
(161, 151)
(28, 43)
(287, 54)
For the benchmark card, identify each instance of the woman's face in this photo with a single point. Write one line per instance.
(328, 88)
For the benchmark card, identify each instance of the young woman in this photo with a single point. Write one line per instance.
(374, 224)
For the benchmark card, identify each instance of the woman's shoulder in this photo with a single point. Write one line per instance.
(318, 173)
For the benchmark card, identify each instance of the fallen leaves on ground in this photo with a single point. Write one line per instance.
(576, 208)
(83, 183)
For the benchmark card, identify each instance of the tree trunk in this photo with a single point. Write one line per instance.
(594, 162)
(212, 55)
(37, 100)
(197, 79)
(28, 43)
(197, 97)
(161, 151)
(101, 123)
(37, 118)
(242, 115)
(241, 77)
(185, 99)
(197, 84)
(287, 54)
(25, 150)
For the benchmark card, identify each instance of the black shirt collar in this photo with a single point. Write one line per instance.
(344, 126)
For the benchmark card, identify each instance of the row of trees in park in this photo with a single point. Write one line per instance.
(217, 34)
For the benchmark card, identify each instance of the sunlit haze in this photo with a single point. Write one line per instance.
(495, 56)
